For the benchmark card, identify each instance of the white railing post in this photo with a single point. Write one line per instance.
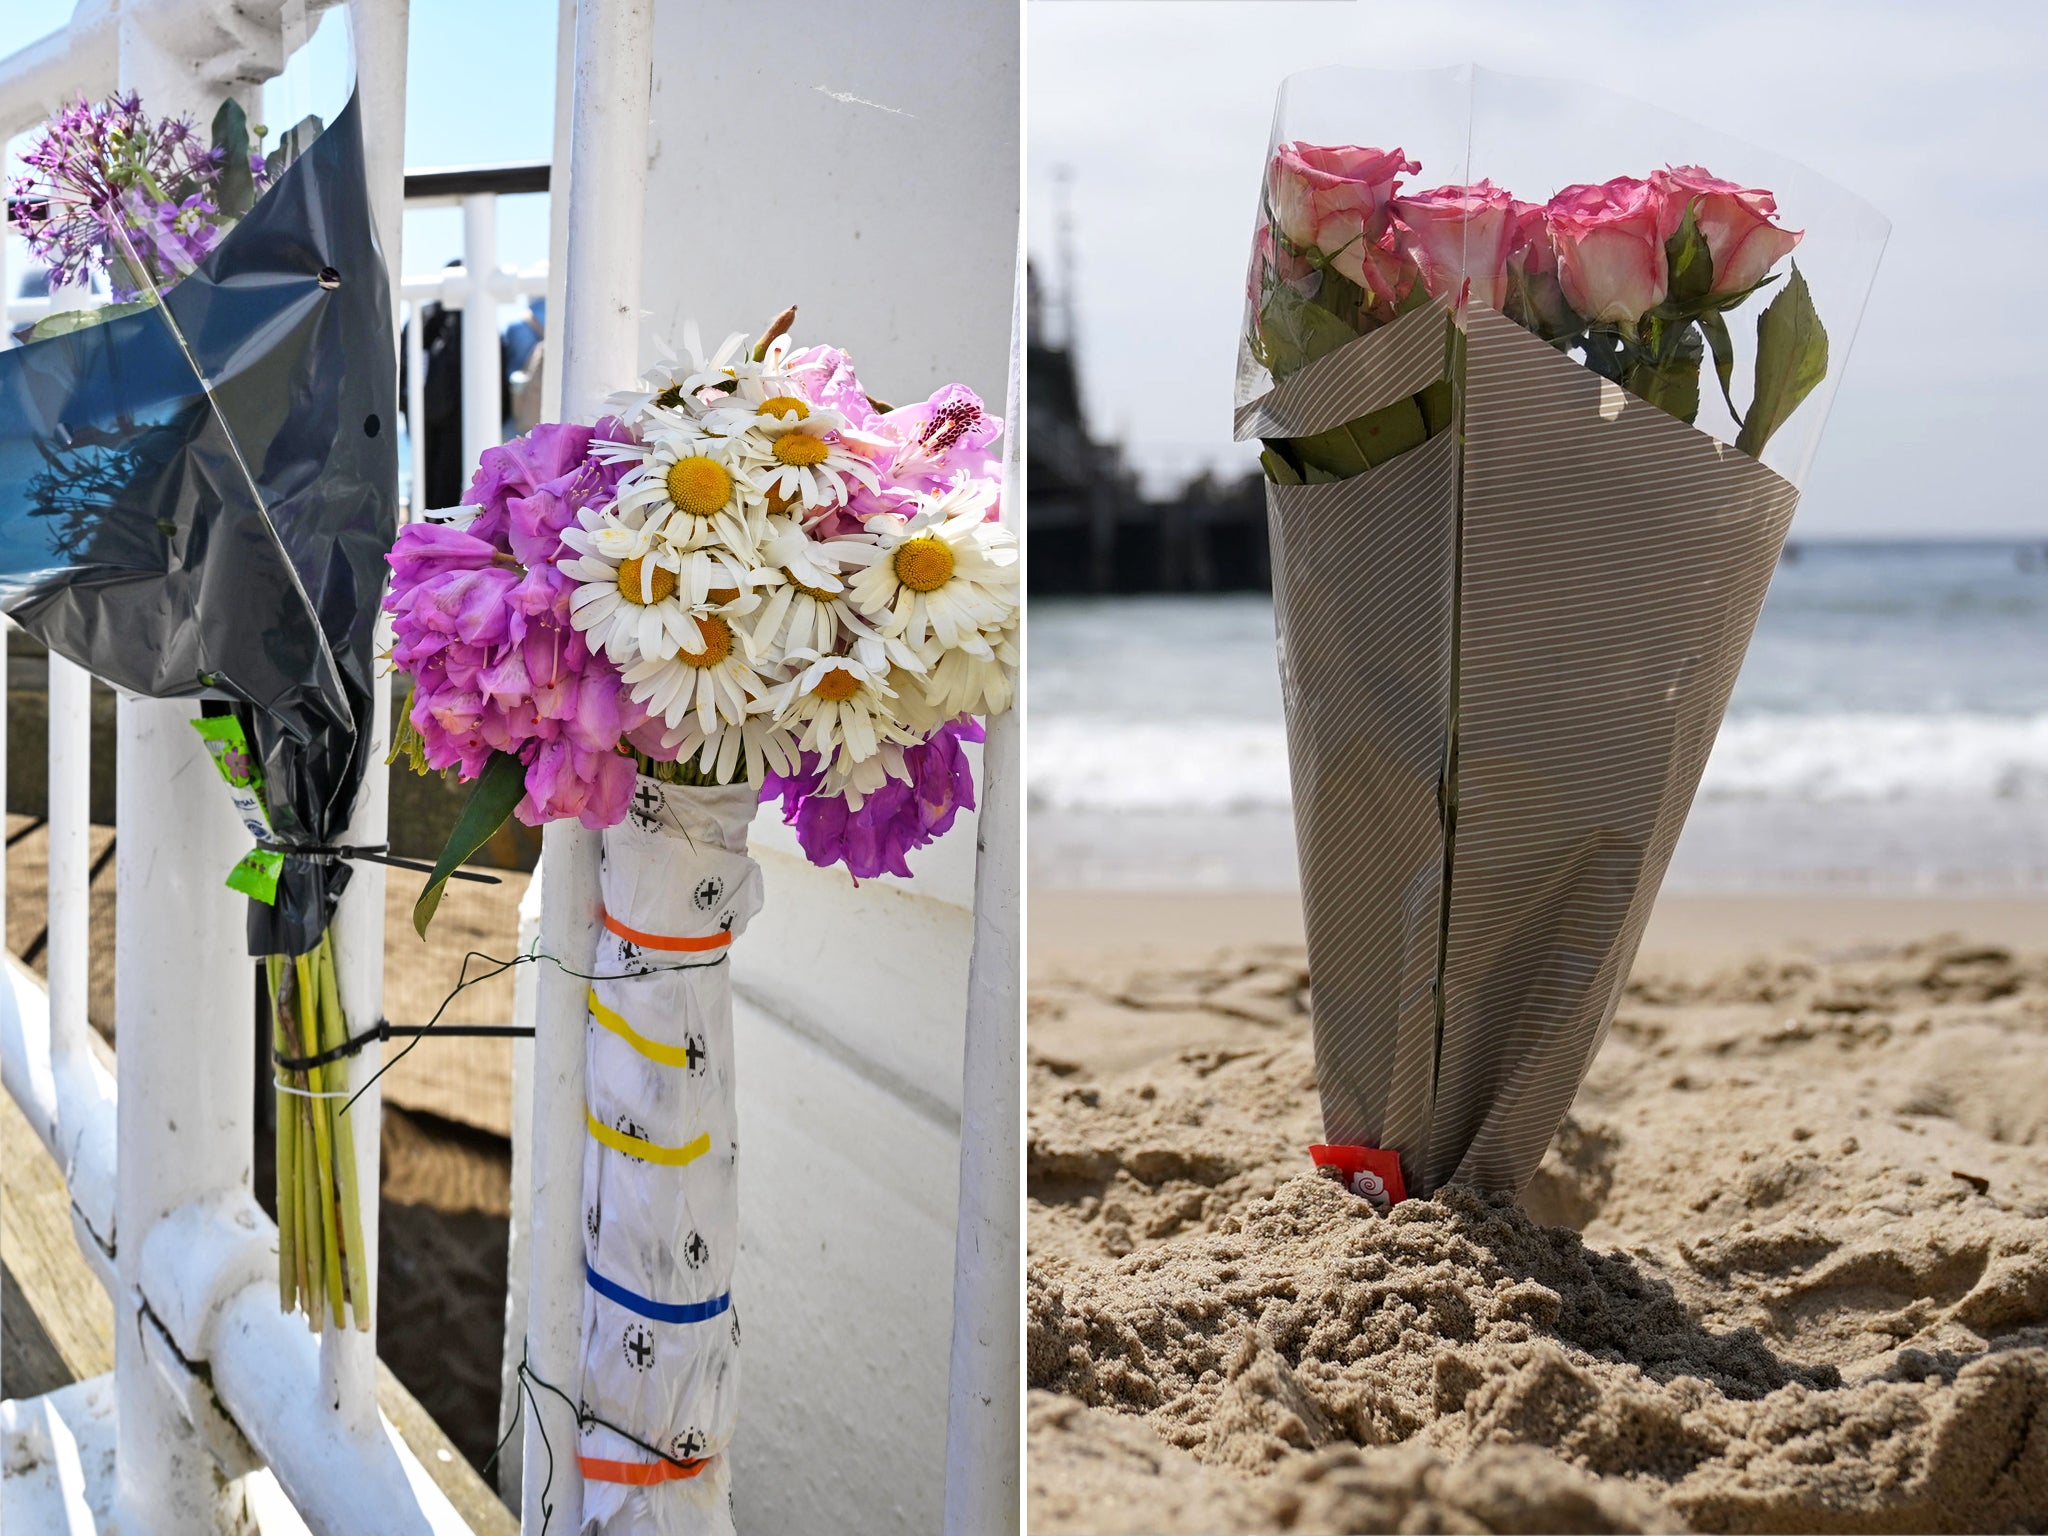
(518, 1238)
(482, 422)
(416, 407)
(348, 1357)
(982, 1440)
(184, 987)
(70, 851)
(598, 331)
(184, 996)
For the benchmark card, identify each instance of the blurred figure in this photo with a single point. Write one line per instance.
(441, 343)
(526, 360)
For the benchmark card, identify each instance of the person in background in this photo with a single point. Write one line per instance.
(441, 341)
(525, 360)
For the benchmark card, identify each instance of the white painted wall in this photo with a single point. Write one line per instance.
(861, 163)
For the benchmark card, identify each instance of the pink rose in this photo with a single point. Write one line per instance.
(1609, 242)
(1460, 236)
(1535, 298)
(1736, 223)
(1333, 199)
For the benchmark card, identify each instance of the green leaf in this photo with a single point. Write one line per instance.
(1673, 387)
(64, 323)
(292, 143)
(1278, 469)
(1690, 261)
(1439, 403)
(1724, 355)
(235, 192)
(1295, 331)
(1366, 443)
(1791, 358)
(498, 788)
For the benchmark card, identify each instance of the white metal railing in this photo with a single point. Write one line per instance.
(213, 1381)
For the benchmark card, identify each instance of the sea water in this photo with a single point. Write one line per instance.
(1889, 732)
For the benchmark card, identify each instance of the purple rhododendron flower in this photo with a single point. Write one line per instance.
(892, 821)
(480, 619)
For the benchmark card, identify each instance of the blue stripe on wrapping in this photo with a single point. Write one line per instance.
(660, 1312)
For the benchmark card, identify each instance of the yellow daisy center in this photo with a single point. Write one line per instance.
(800, 448)
(822, 594)
(835, 686)
(924, 564)
(784, 406)
(717, 637)
(699, 486)
(631, 573)
(777, 502)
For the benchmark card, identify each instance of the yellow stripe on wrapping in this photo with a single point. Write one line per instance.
(653, 1050)
(647, 1151)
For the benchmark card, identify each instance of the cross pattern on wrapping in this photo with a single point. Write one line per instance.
(646, 807)
(639, 1346)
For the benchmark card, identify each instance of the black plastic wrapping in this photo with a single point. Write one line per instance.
(196, 499)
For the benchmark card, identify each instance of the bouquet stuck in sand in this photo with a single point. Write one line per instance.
(750, 581)
(1518, 549)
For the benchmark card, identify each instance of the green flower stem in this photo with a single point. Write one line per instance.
(333, 1032)
(286, 1148)
(323, 1150)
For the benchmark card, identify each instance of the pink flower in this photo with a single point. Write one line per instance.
(1334, 199)
(1535, 298)
(1736, 222)
(895, 820)
(1274, 266)
(563, 780)
(481, 623)
(1461, 235)
(1609, 241)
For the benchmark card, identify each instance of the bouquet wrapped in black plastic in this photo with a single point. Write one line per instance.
(198, 486)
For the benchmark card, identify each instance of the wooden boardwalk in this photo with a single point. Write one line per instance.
(56, 1323)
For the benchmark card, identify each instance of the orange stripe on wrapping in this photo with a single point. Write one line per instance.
(641, 1474)
(663, 941)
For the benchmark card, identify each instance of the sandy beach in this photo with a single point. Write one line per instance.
(1785, 1267)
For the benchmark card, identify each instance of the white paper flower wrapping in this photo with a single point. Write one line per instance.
(661, 1333)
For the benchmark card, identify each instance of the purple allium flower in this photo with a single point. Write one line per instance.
(109, 190)
(481, 622)
(892, 821)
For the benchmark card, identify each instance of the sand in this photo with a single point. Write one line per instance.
(1785, 1267)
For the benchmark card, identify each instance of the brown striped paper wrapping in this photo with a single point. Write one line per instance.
(1568, 591)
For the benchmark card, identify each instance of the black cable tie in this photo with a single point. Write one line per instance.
(385, 1030)
(372, 853)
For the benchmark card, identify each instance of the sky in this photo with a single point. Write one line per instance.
(1159, 112)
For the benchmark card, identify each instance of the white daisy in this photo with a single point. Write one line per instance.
(756, 741)
(692, 483)
(638, 595)
(840, 707)
(670, 386)
(855, 781)
(805, 603)
(976, 681)
(938, 578)
(710, 681)
(795, 455)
